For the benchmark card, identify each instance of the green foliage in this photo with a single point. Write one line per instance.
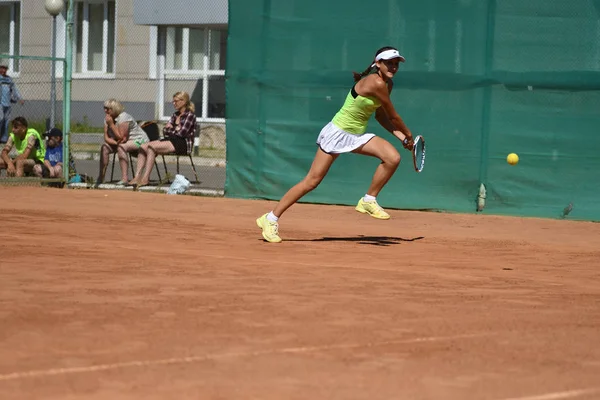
(76, 127)
(85, 127)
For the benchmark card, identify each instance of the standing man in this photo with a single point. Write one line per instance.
(9, 94)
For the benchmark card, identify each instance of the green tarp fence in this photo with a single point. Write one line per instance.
(482, 78)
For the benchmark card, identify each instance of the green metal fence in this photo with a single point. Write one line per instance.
(39, 99)
(482, 79)
(107, 55)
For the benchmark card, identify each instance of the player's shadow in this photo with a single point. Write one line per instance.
(360, 239)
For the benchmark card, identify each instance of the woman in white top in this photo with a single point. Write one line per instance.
(122, 135)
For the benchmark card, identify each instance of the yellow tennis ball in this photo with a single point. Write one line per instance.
(512, 159)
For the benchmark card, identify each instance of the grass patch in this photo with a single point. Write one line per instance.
(77, 127)
(211, 152)
(85, 147)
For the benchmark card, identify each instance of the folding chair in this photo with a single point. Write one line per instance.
(187, 154)
(151, 129)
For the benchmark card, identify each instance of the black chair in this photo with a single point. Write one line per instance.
(186, 154)
(151, 129)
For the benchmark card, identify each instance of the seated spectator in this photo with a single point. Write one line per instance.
(30, 149)
(178, 138)
(53, 161)
(122, 135)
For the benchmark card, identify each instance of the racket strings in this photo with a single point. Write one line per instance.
(419, 154)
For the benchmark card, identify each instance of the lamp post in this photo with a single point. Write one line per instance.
(53, 7)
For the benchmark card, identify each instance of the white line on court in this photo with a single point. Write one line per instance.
(207, 357)
(558, 395)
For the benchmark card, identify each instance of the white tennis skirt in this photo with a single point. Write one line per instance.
(333, 140)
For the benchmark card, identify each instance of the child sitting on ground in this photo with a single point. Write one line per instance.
(53, 161)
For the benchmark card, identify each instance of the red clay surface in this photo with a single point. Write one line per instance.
(122, 295)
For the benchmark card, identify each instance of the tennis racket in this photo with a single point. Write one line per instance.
(419, 153)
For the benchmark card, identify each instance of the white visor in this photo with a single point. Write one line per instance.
(388, 55)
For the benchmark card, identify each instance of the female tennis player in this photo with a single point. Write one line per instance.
(346, 133)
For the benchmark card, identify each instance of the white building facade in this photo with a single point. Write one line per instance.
(139, 52)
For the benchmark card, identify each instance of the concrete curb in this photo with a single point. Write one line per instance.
(163, 189)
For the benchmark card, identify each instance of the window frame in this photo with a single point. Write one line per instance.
(185, 70)
(15, 35)
(159, 40)
(85, 73)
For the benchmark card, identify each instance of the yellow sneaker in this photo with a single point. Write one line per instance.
(270, 229)
(371, 208)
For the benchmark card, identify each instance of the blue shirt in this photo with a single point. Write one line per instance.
(54, 155)
(8, 91)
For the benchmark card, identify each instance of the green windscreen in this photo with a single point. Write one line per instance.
(482, 79)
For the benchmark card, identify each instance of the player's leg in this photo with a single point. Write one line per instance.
(123, 152)
(2, 166)
(38, 170)
(390, 159)
(56, 171)
(24, 166)
(105, 150)
(154, 148)
(319, 168)
(141, 162)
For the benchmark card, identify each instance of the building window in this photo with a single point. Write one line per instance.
(198, 53)
(194, 50)
(10, 33)
(94, 37)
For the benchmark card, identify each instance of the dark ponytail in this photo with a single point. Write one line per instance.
(371, 67)
(358, 77)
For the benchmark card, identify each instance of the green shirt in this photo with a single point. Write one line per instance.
(39, 150)
(354, 115)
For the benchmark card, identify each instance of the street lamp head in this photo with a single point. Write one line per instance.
(54, 7)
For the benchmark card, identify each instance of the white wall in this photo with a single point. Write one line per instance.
(180, 12)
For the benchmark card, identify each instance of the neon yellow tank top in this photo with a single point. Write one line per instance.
(38, 152)
(354, 115)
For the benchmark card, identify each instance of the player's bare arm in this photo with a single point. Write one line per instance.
(382, 117)
(376, 87)
(123, 132)
(10, 165)
(107, 137)
(384, 121)
(110, 124)
(4, 155)
(31, 141)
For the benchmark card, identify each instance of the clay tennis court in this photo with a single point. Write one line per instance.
(123, 295)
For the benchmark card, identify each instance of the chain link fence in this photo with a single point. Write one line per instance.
(35, 98)
(170, 60)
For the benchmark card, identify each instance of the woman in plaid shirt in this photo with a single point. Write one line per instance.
(178, 138)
